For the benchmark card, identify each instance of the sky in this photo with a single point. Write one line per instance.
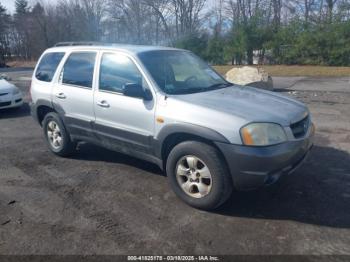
(10, 4)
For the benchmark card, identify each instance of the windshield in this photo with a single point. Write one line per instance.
(181, 72)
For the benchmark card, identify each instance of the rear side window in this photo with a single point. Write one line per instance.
(48, 65)
(79, 69)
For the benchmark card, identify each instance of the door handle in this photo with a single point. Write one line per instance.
(61, 96)
(103, 104)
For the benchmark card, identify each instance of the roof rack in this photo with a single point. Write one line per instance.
(79, 44)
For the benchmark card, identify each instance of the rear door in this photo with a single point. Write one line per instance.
(122, 123)
(73, 94)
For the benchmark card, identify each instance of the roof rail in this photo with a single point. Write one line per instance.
(79, 44)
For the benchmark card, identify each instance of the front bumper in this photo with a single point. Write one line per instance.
(11, 101)
(253, 167)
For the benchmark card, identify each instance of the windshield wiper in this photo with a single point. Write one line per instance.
(194, 90)
(189, 91)
(219, 86)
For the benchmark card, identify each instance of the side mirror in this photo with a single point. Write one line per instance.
(137, 91)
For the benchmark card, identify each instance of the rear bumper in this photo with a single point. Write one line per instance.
(254, 167)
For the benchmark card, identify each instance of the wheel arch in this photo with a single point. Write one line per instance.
(174, 134)
(42, 108)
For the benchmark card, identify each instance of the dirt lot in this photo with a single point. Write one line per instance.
(100, 202)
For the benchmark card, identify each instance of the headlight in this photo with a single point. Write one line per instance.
(16, 91)
(263, 134)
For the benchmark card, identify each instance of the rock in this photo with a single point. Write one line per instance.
(250, 76)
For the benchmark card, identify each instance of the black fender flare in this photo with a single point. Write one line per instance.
(188, 129)
(34, 107)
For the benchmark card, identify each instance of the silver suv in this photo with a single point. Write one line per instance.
(168, 107)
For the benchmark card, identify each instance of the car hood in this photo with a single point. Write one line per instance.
(251, 104)
(6, 87)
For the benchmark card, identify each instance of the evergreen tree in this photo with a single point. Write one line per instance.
(4, 25)
(21, 7)
(215, 51)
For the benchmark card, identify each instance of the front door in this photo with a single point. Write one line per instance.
(123, 123)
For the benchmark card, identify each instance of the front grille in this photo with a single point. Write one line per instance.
(300, 128)
(3, 104)
(18, 100)
(3, 94)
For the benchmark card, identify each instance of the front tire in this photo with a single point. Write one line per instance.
(198, 175)
(57, 137)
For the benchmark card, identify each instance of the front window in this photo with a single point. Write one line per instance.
(116, 71)
(181, 72)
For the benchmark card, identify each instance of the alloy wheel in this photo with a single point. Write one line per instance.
(54, 135)
(194, 176)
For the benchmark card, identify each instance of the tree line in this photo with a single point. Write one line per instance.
(220, 31)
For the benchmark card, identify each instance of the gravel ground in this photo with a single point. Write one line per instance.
(101, 202)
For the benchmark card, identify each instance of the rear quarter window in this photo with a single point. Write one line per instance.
(48, 65)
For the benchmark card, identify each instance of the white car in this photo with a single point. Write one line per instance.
(10, 95)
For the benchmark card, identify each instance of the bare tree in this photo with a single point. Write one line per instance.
(161, 12)
(4, 41)
(94, 11)
(132, 18)
(330, 9)
(277, 8)
(187, 16)
(218, 16)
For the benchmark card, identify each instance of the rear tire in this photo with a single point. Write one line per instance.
(198, 175)
(57, 136)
